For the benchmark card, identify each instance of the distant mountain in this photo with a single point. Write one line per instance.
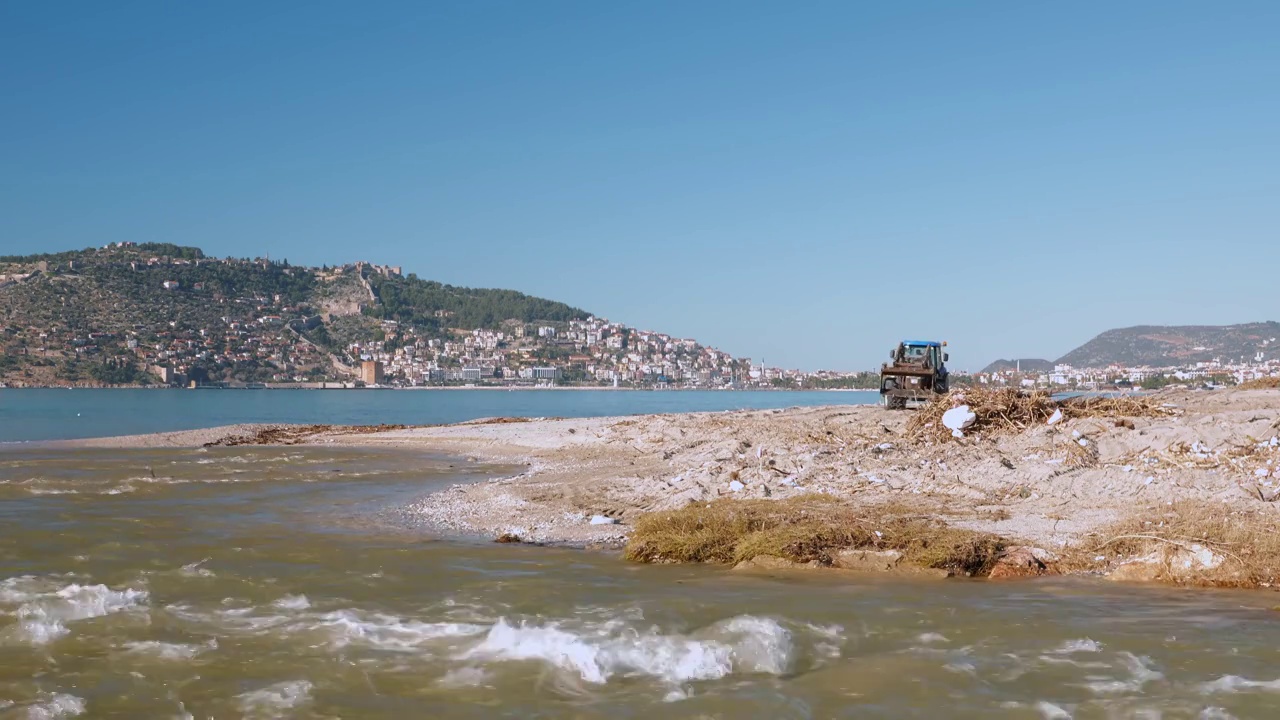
(1161, 346)
(1023, 364)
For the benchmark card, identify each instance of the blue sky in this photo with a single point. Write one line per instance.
(803, 182)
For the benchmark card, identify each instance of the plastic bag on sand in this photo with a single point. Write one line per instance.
(957, 419)
(736, 486)
(1055, 418)
(602, 520)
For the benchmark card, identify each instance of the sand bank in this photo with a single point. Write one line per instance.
(1029, 486)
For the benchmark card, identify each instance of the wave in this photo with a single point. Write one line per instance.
(743, 644)
(1235, 684)
(54, 706)
(590, 651)
(168, 651)
(276, 700)
(43, 614)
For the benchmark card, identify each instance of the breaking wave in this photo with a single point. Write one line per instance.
(43, 613)
(743, 644)
(591, 651)
(53, 706)
(276, 700)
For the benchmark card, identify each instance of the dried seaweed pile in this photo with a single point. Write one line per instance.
(1007, 411)
(1257, 459)
(297, 434)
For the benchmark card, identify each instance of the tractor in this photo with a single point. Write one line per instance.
(917, 371)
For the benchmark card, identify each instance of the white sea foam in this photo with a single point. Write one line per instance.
(384, 632)
(276, 700)
(164, 650)
(1077, 646)
(194, 569)
(52, 706)
(932, 637)
(744, 644)
(43, 616)
(1140, 673)
(1049, 711)
(831, 638)
(1235, 684)
(293, 602)
(22, 588)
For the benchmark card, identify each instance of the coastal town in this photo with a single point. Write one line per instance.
(165, 315)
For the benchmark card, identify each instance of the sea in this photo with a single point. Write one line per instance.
(53, 414)
(289, 582)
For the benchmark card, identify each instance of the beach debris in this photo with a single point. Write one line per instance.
(507, 538)
(957, 419)
(1055, 418)
(789, 481)
(1012, 410)
(884, 446)
(603, 520)
(736, 486)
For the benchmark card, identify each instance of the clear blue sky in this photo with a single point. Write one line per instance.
(803, 182)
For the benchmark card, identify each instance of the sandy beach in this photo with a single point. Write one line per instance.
(1034, 488)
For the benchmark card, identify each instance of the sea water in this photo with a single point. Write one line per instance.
(285, 582)
(49, 414)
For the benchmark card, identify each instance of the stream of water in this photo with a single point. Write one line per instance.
(283, 583)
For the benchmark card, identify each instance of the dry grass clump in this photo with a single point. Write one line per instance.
(1259, 460)
(1245, 544)
(1082, 454)
(1266, 383)
(805, 529)
(1010, 410)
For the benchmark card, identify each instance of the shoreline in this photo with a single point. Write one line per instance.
(1021, 488)
(512, 388)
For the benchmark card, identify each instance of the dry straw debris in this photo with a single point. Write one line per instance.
(1010, 410)
(1266, 383)
(805, 529)
(1245, 544)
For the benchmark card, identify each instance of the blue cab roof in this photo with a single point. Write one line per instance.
(922, 343)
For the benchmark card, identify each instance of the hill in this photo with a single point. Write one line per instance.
(1170, 346)
(1024, 364)
(146, 313)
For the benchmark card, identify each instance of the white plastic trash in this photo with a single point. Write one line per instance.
(602, 520)
(1055, 418)
(736, 486)
(957, 419)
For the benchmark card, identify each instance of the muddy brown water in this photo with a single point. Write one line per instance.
(281, 582)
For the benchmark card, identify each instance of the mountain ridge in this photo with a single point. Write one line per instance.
(1174, 345)
(116, 313)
